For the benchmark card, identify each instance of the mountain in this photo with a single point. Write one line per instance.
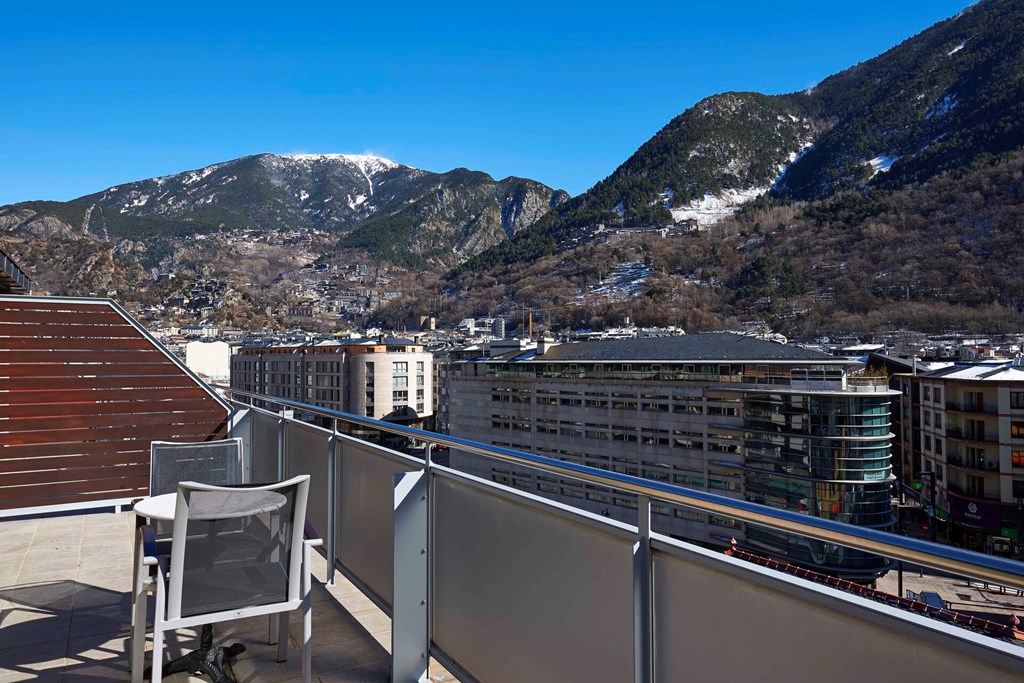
(464, 213)
(934, 103)
(931, 104)
(455, 214)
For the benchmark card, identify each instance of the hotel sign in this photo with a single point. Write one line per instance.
(978, 514)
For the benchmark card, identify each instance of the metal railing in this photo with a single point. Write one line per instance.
(945, 558)
(468, 569)
(974, 463)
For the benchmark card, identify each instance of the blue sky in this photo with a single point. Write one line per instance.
(101, 94)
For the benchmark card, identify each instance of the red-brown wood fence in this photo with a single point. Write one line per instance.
(83, 392)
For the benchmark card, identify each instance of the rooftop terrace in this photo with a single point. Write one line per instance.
(65, 586)
(495, 583)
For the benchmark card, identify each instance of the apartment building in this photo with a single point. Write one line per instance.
(383, 378)
(747, 418)
(963, 442)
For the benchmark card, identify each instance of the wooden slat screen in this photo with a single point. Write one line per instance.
(83, 392)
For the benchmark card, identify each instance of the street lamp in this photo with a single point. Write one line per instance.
(932, 498)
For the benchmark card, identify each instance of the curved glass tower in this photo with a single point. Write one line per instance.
(824, 454)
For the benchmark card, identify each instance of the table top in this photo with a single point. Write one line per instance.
(212, 504)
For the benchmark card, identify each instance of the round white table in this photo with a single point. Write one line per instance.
(212, 505)
(157, 507)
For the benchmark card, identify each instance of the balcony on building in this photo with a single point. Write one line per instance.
(426, 563)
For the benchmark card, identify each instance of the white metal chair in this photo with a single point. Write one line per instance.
(236, 552)
(210, 462)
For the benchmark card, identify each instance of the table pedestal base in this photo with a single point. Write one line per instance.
(207, 659)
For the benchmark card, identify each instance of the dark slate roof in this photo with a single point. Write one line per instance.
(711, 346)
(897, 361)
(380, 341)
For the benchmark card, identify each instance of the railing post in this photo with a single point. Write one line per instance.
(240, 426)
(332, 499)
(643, 604)
(410, 638)
(281, 425)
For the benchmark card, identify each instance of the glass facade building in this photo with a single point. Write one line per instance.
(820, 454)
(745, 418)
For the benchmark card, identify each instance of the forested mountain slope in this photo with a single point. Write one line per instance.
(934, 103)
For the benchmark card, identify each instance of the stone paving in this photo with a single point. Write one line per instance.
(988, 601)
(65, 585)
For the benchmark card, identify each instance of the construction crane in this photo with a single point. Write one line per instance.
(530, 311)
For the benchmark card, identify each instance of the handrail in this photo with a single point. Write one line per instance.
(945, 558)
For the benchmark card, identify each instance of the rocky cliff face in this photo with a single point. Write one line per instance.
(466, 213)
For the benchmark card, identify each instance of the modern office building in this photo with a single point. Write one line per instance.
(383, 378)
(963, 446)
(747, 418)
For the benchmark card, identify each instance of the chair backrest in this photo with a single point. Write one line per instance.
(209, 462)
(236, 546)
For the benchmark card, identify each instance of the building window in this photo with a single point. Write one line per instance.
(938, 394)
(1017, 399)
(927, 393)
(975, 486)
(400, 367)
(1017, 458)
(719, 410)
(1017, 429)
(399, 396)
(401, 382)
(419, 366)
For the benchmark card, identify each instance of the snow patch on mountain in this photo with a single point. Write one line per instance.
(942, 107)
(711, 208)
(956, 49)
(192, 177)
(780, 180)
(366, 163)
(881, 164)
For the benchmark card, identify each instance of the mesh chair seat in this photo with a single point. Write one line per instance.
(208, 462)
(232, 586)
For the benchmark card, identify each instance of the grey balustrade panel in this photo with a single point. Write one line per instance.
(365, 512)
(306, 453)
(264, 447)
(523, 591)
(719, 619)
